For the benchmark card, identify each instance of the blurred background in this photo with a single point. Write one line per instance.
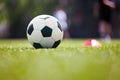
(15, 15)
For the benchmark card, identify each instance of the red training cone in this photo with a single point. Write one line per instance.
(92, 43)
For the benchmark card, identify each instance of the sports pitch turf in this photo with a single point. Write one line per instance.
(70, 61)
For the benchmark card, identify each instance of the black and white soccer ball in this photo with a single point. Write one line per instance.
(44, 31)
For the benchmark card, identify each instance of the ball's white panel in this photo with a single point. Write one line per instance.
(35, 36)
(51, 22)
(38, 24)
(29, 38)
(47, 42)
(57, 34)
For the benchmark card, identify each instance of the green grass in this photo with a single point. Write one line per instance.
(70, 61)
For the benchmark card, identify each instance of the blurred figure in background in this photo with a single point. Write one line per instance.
(105, 9)
(61, 15)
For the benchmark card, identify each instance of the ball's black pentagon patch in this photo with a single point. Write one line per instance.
(56, 43)
(37, 45)
(59, 26)
(46, 31)
(30, 29)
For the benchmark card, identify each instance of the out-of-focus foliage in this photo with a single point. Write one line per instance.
(20, 12)
(43, 6)
(35, 7)
(3, 12)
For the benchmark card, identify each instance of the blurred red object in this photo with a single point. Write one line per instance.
(92, 43)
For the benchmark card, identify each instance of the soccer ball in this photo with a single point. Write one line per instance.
(44, 31)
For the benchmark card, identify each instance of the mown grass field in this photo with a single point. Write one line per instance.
(70, 61)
